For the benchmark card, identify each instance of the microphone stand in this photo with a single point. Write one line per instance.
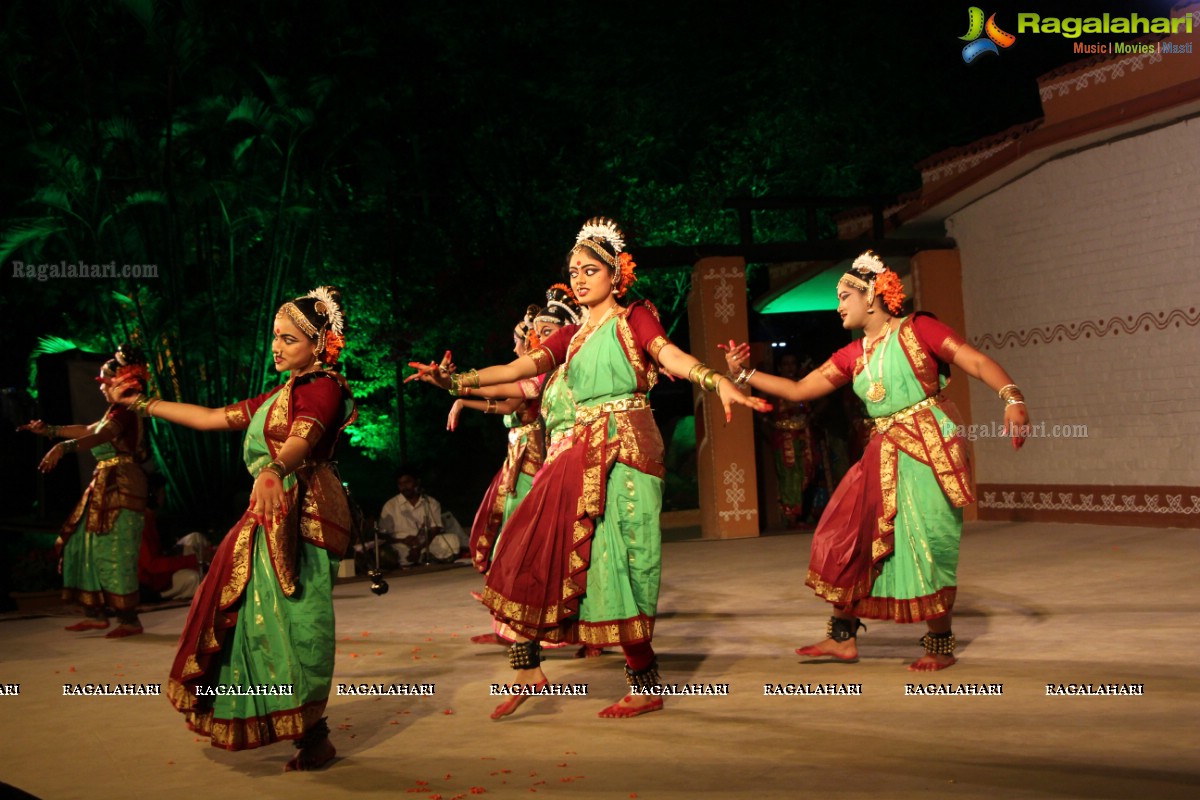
(378, 585)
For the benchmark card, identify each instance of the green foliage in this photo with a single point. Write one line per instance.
(434, 163)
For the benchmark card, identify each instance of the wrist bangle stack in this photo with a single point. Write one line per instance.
(276, 467)
(1011, 395)
(744, 377)
(52, 431)
(70, 445)
(141, 406)
(704, 377)
(461, 380)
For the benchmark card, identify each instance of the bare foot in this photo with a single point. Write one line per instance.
(841, 651)
(932, 662)
(488, 638)
(88, 625)
(534, 678)
(123, 630)
(310, 758)
(632, 705)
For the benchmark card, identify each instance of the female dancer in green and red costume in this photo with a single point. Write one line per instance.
(264, 615)
(887, 545)
(580, 558)
(100, 541)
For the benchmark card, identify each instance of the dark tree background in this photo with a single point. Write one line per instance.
(434, 160)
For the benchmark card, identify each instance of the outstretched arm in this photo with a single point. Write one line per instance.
(83, 443)
(680, 363)
(190, 416)
(55, 431)
(994, 376)
(506, 406)
(440, 375)
(810, 387)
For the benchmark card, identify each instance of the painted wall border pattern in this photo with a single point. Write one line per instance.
(1072, 331)
(1100, 74)
(1151, 506)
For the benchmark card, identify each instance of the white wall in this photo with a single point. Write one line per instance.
(1109, 232)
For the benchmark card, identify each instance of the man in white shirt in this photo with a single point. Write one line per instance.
(414, 520)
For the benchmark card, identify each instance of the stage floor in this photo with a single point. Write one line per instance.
(1038, 604)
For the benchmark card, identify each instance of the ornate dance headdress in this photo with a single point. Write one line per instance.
(128, 360)
(521, 329)
(561, 307)
(600, 235)
(330, 325)
(869, 274)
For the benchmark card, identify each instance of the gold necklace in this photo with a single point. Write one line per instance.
(876, 393)
(587, 330)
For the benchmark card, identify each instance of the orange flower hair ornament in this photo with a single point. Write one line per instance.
(627, 277)
(889, 287)
(869, 274)
(334, 344)
(138, 371)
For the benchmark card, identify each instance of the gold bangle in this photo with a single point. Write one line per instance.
(491, 407)
(150, 407)
(52, 431)
(1011, 395)
(70, 445)
(269, 468)
(470, 379)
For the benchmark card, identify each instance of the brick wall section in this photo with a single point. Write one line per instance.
(1091, 241)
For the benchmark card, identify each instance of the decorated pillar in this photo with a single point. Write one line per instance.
(726, 474)
(937, 288)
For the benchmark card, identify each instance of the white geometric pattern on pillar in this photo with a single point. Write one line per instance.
(735, 494)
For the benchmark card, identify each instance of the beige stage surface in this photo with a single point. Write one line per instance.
(1038, 604)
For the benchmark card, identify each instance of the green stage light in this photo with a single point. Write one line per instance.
(818, 293)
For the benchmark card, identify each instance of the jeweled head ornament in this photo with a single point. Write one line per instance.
(869, 274)
(594, 235)
(128, 360)
(561, 307)
(522, 328)
(329, 330)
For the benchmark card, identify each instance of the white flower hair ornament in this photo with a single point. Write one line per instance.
(869, 262)
(328, 306)
(606, 230)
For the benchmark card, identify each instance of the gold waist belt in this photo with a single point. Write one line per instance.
(790, 425)
(586, 415)
(883, 423)
(112, 462)
(514, 434)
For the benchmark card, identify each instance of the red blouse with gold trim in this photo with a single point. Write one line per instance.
(316, 407)
(929, 347)
(118, 481)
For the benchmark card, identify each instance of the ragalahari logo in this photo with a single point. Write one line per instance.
(976, 27)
